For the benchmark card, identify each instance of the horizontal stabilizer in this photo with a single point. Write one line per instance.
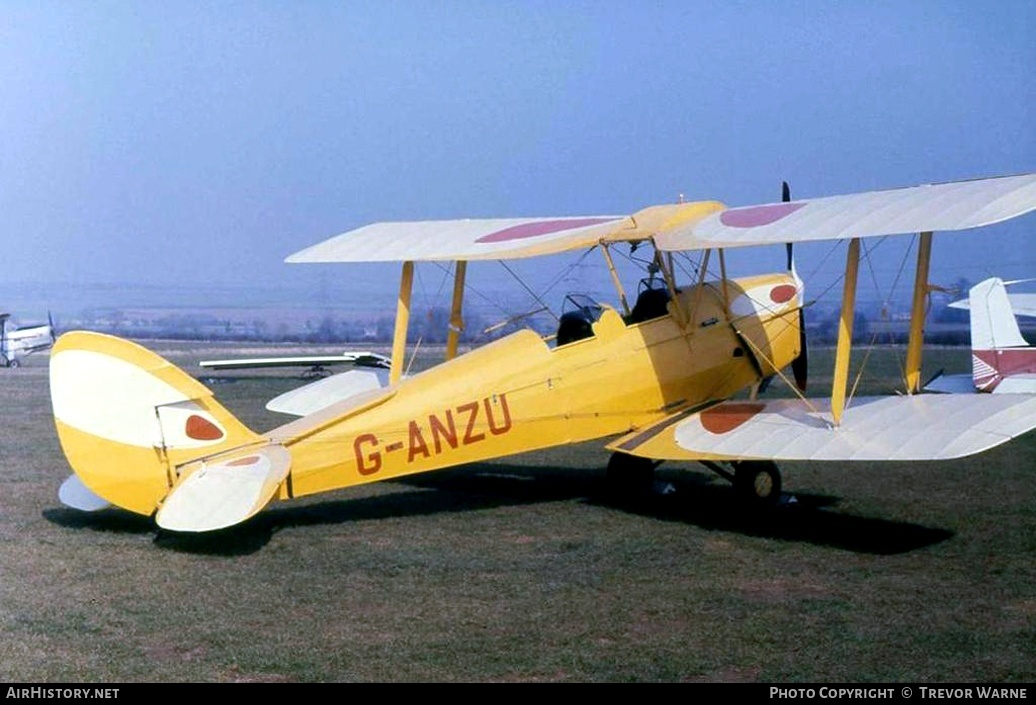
(919, 427)
(1017, 384)
(1021, 304)
(73, 493)
(325, 392)
(224, 490)
(951, 384)
(963, 384)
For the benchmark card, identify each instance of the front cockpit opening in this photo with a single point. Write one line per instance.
(652, 301)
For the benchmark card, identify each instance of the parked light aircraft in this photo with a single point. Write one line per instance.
(672, 377)
(316, 365)
(1020, 304)
(16, 343)
(1002, 361)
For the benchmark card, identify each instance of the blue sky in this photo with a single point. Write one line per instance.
(198, 143)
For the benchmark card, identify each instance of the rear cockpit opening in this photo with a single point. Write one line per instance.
(579, 313)
(652, 301)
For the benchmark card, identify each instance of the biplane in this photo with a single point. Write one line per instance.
(17, 342)
(1002, 361)
(676, 373)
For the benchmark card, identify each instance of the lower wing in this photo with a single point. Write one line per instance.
(919, 427)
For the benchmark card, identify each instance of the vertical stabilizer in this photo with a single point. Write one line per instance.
(127, 418)
(994, 333)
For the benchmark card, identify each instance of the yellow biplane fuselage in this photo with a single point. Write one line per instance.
(520, 393)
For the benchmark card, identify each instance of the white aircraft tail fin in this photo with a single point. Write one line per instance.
(998, 349)
(993, 324)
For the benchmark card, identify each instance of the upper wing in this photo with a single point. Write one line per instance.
(950, 206)
(361, 359)
(502, 238)
(690, 226)
(918, 427)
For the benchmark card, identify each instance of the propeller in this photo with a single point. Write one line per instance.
(800, 365)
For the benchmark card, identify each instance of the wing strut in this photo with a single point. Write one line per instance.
(845, 331)
(456, 316)
(615, 279)
(917, 311)
(406, 285)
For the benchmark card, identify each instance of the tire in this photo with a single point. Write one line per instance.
(629, 475)
(15, 363)
(758, 481)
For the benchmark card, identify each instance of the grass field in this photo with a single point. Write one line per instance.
(522, 571)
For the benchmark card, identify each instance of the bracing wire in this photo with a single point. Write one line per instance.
(430, 304)
(884, 309)
(528, 289)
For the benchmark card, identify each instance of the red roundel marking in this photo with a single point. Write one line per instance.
(726, 417)
(201, 429)
(541, 227)
(782, 293)
(755, 216)
(242, 462)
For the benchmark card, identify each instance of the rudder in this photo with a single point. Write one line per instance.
(126, 418)
(994, 330)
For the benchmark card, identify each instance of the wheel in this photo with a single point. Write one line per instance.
(758, 481)
(629, 475)
(15, 363)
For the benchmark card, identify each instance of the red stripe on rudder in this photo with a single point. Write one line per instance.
(201, 429)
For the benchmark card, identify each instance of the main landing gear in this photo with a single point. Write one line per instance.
(629, 475)
(756, 482)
